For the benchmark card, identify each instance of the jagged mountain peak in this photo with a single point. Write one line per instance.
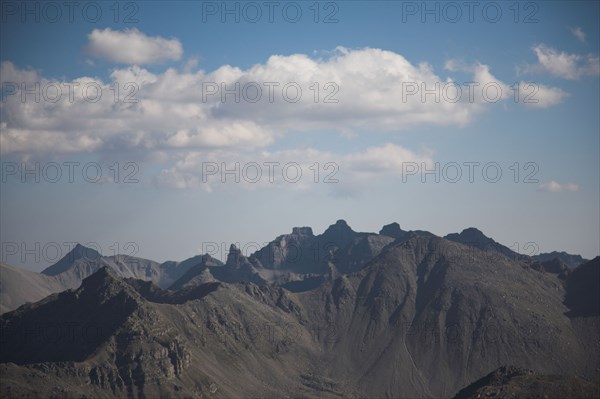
(391, 230)
(103, 280)
(234, 256)
(302, 231)
(339, 233)
(572, 261)
(474, 237)
(82, 250)
(472, 233)
(340, 224)
(380, 301)
(79, 252)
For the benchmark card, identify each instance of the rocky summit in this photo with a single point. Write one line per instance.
(342, 314)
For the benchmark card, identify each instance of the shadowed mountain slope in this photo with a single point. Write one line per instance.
(512, 382)
(417, 320)
(19, 286)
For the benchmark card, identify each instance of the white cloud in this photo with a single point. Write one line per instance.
(345, 174)
(555, 187)
(530, 94)
(537, 95)
(243, 133)
(579, 34)
(9, 73)
(563, 65)
(173, 109)
(132, 47)
(455, 65)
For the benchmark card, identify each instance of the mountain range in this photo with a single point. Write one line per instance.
(340, 314)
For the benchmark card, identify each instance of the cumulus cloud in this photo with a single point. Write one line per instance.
(555, 187)
(131, 46)
(578, 33)
(342, 173)
(537, 95)
(11, 74)
(562, 64)
(530, 94)
(230, 108)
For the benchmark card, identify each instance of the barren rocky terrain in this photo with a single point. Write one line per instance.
(375, 316)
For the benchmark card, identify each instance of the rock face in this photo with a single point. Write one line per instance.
(417, 319)
(552, 266)
(104, 334)
(302, 252)
(392, 230)
(572, 261)
(583, 295)
(338, 234)
(237, 269)
(290, 252)
(475, 238)
(512, 382)
(197, 274)
(358, 252)
(301, 258)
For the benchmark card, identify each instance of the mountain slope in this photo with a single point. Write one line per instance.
(512, 382)
(82, 262)
(79, 264)
(19, 286)
(583, 296)
(572, 261)
(229, 342)
(198, 274)
(417, 320)
(66, 262)
(475, 238)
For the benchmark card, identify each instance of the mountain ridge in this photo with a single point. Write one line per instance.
(415, 320)
(299, 260)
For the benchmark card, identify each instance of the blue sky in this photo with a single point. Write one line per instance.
(168, 141)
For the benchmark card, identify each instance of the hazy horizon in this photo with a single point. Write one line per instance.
(173, 125)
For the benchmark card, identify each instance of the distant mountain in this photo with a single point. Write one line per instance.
(299, 252)
(83, 262)
(338, 250)
(302, 252)
(572, 261)
(475, 238)
(413, 321)
(338, 235)
(555, 266)
(237, 269)
(358, 252)
(298, 261)
(19, 286)
(65, 264)
(393, 230)
(197, 274)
